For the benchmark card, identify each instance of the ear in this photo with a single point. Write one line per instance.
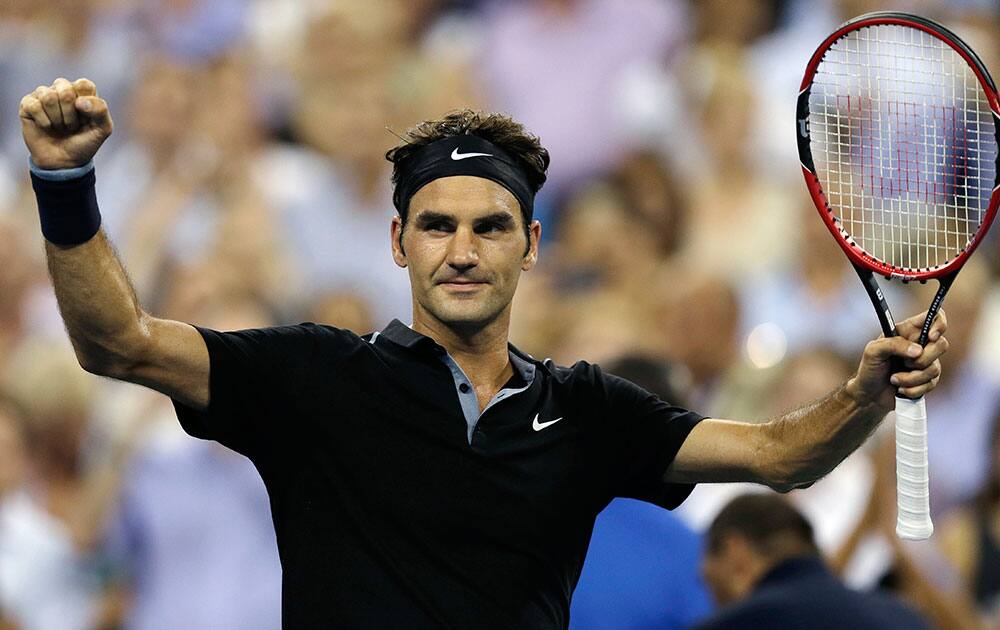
(396, 237)
(534, 237)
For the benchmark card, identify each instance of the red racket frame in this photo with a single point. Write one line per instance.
(853, 251)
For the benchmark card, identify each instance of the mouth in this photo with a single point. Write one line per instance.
(462, 286)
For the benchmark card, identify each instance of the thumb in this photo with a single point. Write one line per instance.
(95, 109)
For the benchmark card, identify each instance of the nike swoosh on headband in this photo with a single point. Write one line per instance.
(455, 155)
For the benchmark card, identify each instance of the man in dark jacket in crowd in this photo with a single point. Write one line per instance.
(763, 567)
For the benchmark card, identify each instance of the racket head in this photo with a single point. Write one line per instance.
(904, 171)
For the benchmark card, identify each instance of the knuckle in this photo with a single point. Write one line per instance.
(67, 95)
(49, 97)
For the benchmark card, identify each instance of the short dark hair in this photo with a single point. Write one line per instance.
(656, 376)
(499, 129)
(768, 522)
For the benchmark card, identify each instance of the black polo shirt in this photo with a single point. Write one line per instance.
(387, 516)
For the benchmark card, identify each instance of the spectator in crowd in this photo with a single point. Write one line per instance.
(959, 426)
(17, 273)
(705, 173)
(763, 566)
(970, 538)
(192, 530)
(793, 298)
(910, 565)
(805, 375)
(538, 56)
(343, 309)
(641, 569)
(13, 457)
(51, 525)
(176, 200)
(697, 314)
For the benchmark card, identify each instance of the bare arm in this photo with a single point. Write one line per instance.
(801, 446)
(63, 126)
(792, 450)
(111, 333)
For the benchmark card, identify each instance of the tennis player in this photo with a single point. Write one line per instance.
(431, 474)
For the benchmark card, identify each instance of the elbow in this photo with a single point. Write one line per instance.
(794, 480)
(113, 359)
(100, 363)
(92, 364)
(783, 467)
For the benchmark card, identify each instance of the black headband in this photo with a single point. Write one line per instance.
(462, 155)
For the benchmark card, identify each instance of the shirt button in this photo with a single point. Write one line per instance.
(464, 388)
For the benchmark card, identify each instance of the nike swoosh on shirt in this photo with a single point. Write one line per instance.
(538, 426)
(455, 155)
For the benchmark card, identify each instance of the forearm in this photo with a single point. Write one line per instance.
(96, 298)
(809, 442)
(97, 302)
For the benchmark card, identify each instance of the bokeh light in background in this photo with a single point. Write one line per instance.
(245, 185)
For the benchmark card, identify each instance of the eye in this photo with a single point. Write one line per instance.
(437, 226)
(492, 226)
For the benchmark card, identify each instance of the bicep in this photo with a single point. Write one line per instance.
(719, 451)
(173, 359)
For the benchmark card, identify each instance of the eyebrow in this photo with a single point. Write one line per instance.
(426, 217)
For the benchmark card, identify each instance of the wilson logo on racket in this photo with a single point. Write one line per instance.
(898, 124)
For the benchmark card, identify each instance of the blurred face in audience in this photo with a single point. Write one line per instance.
(12, 454)
(160, 107)
(343, 309)
(730, 567)
(808, 376)
(698, 319)
(464, 247)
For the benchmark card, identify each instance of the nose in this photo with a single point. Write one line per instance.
(463, 252)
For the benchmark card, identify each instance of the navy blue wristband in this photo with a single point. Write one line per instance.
(67, 208)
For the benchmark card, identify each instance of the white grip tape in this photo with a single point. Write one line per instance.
(913, 517)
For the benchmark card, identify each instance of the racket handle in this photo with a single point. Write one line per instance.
(913, 516)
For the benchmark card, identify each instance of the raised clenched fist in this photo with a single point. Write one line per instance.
(64, 124)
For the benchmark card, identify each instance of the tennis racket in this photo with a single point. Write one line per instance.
(898, 125)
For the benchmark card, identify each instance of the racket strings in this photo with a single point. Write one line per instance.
(904, 145)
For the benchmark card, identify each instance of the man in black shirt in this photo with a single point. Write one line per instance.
(429, 475)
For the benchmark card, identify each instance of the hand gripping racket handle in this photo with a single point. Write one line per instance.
(913, 516)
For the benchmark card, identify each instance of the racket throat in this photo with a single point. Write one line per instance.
(944, 283)
(878, 300)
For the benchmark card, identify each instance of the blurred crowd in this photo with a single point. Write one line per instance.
(245, 185)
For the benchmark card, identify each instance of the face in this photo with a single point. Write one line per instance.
(725, 569)
(464, 247)
(12, 456)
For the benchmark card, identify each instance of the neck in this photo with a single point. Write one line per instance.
(481, 350)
